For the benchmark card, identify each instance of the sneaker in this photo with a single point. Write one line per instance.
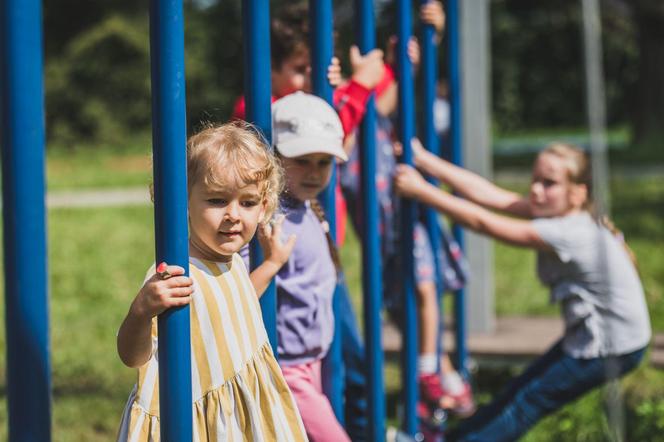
(431, 390)
(434, 395)
(462, 403)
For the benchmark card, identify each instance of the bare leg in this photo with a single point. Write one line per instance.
(428, 317)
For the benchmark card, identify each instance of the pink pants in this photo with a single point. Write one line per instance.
(317, 415)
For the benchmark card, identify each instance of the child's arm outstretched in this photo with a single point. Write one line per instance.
(276, 254)
(408, 182)
(157, 294)
(472, 186)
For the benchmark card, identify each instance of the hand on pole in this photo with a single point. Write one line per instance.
(368, 69)
(413, 51)
(408, 182)
(334, 73)
(417, 149)
(167, 288)
(432, 13)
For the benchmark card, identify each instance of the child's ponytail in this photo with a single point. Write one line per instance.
(611, 227)
(334, 250)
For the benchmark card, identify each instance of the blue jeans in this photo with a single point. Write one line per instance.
(550, 382)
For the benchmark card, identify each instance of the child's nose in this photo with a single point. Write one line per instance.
(233, 211)
(313, 173)
(536, 188)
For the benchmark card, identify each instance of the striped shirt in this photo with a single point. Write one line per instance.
(238, 391)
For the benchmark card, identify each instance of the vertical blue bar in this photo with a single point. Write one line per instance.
(320, 29)
(372, 282)
(408, 217)
(24, 220)
(258, 99)
(456, 141)
(169, 138)
(432, 144)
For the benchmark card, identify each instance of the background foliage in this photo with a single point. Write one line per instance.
(97, 64)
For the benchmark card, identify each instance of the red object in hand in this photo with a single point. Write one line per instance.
(161, 268)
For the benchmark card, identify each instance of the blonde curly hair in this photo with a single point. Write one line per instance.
(244, 157)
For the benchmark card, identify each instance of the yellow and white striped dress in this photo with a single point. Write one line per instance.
(238, 390)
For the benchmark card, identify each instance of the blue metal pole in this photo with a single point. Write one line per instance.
(24, 220)
(431, 142)
(320, 19)
(169, 138)
(408, 217)
(372, 282)
(258, 99)
(456, 141)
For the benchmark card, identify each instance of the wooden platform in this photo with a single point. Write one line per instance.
(515, 339)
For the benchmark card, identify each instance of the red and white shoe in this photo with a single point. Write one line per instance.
(462, 403)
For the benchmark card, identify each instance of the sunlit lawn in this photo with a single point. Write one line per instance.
(97, 258)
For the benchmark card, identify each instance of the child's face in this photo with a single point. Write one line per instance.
(293, 75)
(221, 222)
(307, 175)
(552, 193)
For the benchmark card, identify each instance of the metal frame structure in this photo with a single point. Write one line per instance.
(24, 218)
(22, 126)
(406, 132)
(258, 99)
(365, 30)
(322, 50)
(456, 144)
(169, 139)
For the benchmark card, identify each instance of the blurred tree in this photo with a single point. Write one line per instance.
(64, 19)
(98, 88)
(648, 115)
(537, 65)
(97, 63)
(214, 60)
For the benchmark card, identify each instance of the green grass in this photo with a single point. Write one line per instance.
(99, 166)
(97, 258)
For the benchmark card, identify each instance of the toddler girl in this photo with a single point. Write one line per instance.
(586, 265)
(238, 390)
(307, 135)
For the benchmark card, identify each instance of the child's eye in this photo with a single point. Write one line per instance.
(216, 201)
(250, 203)
(325, 163)
(301, 162)
(548, 183)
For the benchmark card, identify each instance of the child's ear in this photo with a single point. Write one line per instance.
(262, 217)
(579, 195)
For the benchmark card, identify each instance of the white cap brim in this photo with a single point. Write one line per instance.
(299, 146)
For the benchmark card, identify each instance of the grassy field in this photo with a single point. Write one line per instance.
(97, 258)
(88, 167)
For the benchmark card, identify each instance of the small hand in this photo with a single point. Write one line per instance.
(413, 51)
(165, 289)
(368, 69)
(432, 13)
(419, 151)
(416, 148)
(334, 73)
(274, 249)
(408, 182)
